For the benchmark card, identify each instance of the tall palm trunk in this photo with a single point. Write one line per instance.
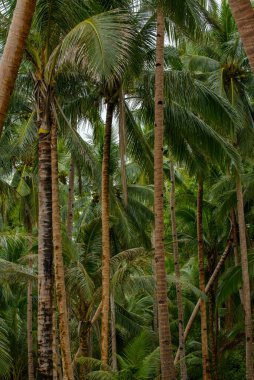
(45, 257)
(105, 235)
(58, 263)
(30, 362)
(70, 200)
(235, 245)
(246, 281)
(204, 338)
(179, 295)
(57, 367)
(113, 332)
(30, 328)
(13, 52)
(244, 16)
(166, 355)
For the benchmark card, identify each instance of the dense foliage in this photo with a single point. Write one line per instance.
(77, 156)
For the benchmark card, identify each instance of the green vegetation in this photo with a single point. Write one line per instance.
(104, 106)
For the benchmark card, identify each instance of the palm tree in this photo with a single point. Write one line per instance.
(166, 354)
(13, 52)
(246, 280)
(58, 262)
(244, 18)
(204, 336)
(47, 108)
(177, 272)
(106, 234)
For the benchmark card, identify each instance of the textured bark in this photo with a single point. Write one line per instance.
(105, 235)
(55, 346)
(84, 348)
(212, 335)
(96, 314)
(122, 145)
(58, 263)
(30, 328)
(70, 200)
(244, 16)
(13, 52)
(246, 281)
(166, 355)
(235, 246)
(179, 296)
(113, 333)
(45, 250)
(204, 338)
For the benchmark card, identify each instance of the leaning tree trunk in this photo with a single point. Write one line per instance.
(166, 355)
(204, 337)
(58, 263)
(207, 288)
(13, 52)
(105, 235)
(246, 281)
(244, 16)
(179, 296)
(70, 200)
(45, 255)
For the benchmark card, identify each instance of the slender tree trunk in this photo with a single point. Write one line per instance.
(246, 281)
(204, 338)
(70, 200)
(122, 145)
(113, 332)
(30, 328)
(58, 263)
(179, 295)
(212, 334)
(83, 350)
(55, 346)
(45, 254)
(105, 235)
(244, 16)
(13, 52)
(235, 245)
(212, 260)
(155, 303)
(207, 288)
(166, 355)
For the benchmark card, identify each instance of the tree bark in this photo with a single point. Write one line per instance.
(235, 245)
(30, 328)
(84, 349)
(166, 355)
(45, 249)
(246, 281)
(56, 358)
(244, 17)
(207, 288)
(113, 332)
(58, 263)
(204, 338)
(179, 296)
(70, 200)
(13, 52)
(106, 235)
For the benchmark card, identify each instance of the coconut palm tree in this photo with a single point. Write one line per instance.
(166, 354)
(13, 52)
(243, 14)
